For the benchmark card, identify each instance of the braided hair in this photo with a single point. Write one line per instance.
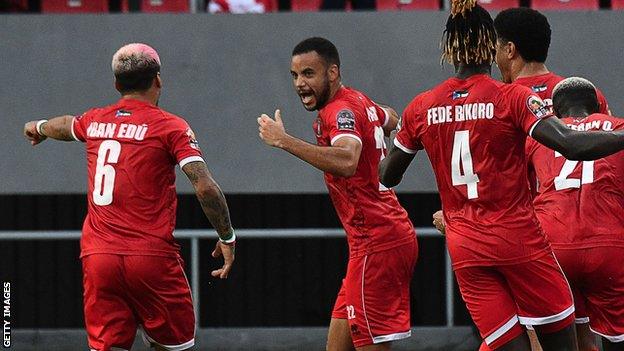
(469, 37)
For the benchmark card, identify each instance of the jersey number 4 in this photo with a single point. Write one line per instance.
(462, 172)
(563, 182)
(105, 173)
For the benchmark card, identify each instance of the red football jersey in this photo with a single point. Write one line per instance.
(132, 150)
(474, 131)
(543, 85)
(370, 213)
(580, 204)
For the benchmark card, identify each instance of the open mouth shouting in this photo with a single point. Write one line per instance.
(308, 99)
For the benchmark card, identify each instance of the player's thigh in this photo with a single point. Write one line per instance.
(490, 304)
(541, 292)
(339, 335)
(109, 318)
(161, 297)
(587, 340)
(377, 295)
(604, 292)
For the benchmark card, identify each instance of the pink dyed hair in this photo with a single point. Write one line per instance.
(139, 50)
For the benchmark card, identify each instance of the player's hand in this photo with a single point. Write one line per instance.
(272, 130)
(227, 251)
(30, 132)
(438, 222)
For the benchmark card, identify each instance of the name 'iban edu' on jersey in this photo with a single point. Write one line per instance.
(132, 150)
(371, 214)
(474, 132)
(580, 204)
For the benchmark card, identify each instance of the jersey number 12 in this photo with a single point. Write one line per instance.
(462, 172)
(104, 181)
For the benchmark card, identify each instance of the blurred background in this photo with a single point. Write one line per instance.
(220, 72)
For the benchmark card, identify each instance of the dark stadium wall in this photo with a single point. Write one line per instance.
(275, 282)
(221, 72)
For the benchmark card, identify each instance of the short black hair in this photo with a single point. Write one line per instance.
(575, 92)
(527, 29)
(136, 73)
(323, 47)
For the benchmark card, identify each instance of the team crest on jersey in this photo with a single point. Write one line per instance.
(345, 120)
(192, 140)
(122, 113)
(459, 94)
(539, 88)
(537, 107)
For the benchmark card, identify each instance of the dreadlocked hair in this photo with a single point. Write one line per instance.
(469, 36)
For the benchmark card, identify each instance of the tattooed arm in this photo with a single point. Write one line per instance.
(210, 197)
(215, 208)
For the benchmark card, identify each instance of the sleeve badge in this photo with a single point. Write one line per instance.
(345, 120)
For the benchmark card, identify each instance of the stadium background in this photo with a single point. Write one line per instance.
(220, 73)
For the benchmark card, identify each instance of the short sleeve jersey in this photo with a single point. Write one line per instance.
(580, 204)
(543, 85)
(132, 150)
(370, 213)
(474, 132)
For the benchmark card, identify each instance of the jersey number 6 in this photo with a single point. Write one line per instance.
(105, 173)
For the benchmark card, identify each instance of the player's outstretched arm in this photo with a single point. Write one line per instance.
(341, 159)
(575, 145)
(394, 165)
(58, 128)
(215, 208)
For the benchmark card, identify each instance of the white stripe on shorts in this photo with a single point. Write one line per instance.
(547, 320)
(179, 347)
(363, 301)
(611, 338)
(391, 337)
(502, 330)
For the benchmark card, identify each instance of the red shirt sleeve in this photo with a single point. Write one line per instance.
(382, 114)
(410, 127)
(341, 121)
(527, 108)
(183, 144)
(79, 126)
(602, 101)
